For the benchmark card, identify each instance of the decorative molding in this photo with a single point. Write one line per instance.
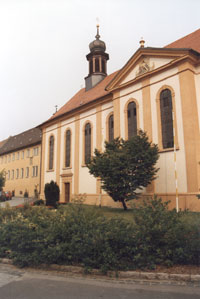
(144, 67)
(69, 174)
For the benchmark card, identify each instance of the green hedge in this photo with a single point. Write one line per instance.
(79, 235)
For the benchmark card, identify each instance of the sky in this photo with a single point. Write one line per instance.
(44, 43)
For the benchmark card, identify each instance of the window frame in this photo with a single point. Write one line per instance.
(84, 142)
(67, 155)
(166, 114)
(160, 143)
(109, 128)
(51, 153)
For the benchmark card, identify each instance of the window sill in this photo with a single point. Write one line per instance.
(66, 168)
(83, 165)
(50, 170)
(171, 149)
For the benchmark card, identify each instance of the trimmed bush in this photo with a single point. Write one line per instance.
(52, 192)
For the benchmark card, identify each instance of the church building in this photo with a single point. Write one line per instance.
(158, 91)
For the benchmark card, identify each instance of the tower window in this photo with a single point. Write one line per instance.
(91, 67)
(96, 64)
(103, 66)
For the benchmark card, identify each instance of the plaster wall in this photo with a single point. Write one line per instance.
(197, 85)
(87, 183)
(67, 125)
(166, 175)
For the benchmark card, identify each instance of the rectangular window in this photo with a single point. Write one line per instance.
(28, 153)
(27, 172)
(13, 174)
(8, 173)
(13, 156)
(18, 156)
(35, 151)
(9, 158)
(22, 154)
(17, 173)
(35, 171)
(22, 173)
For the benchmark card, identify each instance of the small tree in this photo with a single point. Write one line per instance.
(52, 192)
(125, 166)
(2, 179)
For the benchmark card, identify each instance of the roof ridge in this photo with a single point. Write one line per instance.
(191, 40)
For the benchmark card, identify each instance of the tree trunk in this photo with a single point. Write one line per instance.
(124, 204)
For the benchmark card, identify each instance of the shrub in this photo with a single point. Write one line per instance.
(52, 193)
(163, 237)
(38, 202)
(76, 234)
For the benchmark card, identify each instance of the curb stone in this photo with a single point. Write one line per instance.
(121, 274)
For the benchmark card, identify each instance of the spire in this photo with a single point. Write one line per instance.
(97, 36)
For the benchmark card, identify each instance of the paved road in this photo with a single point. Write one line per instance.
(16, 201)
(21, 284)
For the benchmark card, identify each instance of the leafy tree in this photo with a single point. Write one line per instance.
(2, 179)
(52, 192)
(125, 166)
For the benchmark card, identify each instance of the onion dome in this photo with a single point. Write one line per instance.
(97, 45)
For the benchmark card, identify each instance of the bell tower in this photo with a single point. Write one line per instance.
(97, 59)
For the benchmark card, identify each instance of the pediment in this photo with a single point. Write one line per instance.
(144, 62)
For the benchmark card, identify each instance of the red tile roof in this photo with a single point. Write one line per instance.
(191, 41)
(83, 97)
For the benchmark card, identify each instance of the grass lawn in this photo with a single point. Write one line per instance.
(192, 217)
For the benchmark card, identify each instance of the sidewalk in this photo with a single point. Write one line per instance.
(165, 278)
(15, 201)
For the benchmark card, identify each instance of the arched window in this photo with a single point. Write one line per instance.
(87, 143)
(110, 128)
(67, 148)
(166, 118)
(51, 152)
(132, 119)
